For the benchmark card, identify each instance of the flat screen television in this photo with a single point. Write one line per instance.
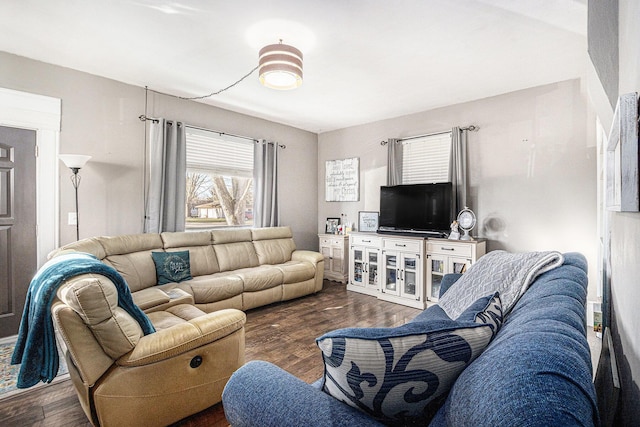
(416, 208)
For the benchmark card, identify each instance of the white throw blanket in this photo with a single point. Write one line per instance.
(508, 273)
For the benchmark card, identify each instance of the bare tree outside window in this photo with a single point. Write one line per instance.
(198, 191)
(234, 198)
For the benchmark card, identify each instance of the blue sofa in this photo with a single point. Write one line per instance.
(536, 372)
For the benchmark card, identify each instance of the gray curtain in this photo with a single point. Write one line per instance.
(165, 204)
(458, 167)
(394, 161)
(265, 179)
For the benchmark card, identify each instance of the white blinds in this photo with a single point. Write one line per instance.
(426, 159)
(210, 152)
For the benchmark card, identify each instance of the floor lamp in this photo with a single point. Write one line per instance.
(75, 162)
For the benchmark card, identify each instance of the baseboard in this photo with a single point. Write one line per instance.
(8, 340)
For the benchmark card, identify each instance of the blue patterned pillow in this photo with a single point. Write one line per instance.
(401, 375)
(172, 267)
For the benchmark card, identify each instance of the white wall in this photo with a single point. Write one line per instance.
(532, 167)
(100, 118)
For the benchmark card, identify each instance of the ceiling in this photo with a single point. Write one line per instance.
(364, 60)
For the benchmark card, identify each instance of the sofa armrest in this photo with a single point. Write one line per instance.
(178, 339)
(262, 394)
(315, 258)
(309, 256)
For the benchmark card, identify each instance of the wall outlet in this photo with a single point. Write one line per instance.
(72, 218)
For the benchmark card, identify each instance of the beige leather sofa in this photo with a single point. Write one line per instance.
(125, 378)
(241, 269)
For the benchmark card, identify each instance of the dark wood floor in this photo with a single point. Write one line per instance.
(283, 334)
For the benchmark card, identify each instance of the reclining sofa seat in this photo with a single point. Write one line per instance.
(123, 377)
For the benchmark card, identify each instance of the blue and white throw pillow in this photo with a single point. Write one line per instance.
(401, 375)
(172, 267)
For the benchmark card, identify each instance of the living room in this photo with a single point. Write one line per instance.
(534, 162)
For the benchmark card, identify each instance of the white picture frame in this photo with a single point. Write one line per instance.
(368, 221)
(342, 180)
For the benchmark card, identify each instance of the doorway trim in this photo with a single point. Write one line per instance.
(42, 114)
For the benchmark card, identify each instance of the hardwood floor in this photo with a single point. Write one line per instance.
(283, 334)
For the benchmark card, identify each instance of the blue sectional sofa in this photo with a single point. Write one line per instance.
(535, 372)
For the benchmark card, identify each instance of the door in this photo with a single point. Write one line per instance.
(436, 269)
(17, 223)
(372, 269)
(391, 273)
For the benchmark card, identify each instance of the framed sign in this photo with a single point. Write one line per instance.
(623, 150)
(342, 180)
(367, 221)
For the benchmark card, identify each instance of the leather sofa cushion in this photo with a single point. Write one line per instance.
(233, 256)
(214, 287)
(274, 245)
(128, 243)
(260, 278)
(182, 238)
(137, 269)
(203, 259)
(268, 233)
(89, 246)
(174, 316)
(275, 251)
(231, 236)
(296, 271)
(95, 299)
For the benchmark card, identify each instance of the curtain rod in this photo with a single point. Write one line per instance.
(257, 141)
(144, 118)
(472, 128)
(223, 133)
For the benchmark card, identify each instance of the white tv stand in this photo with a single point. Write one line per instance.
(407, 269)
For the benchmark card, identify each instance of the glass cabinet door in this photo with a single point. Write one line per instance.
(372, 269)
(436, 271)
(409, 276)
(458, 265)
(358, 266)
(391, 274)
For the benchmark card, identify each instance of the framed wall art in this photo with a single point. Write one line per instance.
(368, 221)
(622, 177)
(342, 180)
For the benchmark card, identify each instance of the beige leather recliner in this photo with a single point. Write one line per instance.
(125, 378)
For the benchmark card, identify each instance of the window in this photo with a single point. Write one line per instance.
(219, 180)
(426, 159)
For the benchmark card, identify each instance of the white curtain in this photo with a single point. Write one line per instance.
(265, 178)
(394, 161)
(165, 204)
(458, 167)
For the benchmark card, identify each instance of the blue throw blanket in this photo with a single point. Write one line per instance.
(36, 349)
